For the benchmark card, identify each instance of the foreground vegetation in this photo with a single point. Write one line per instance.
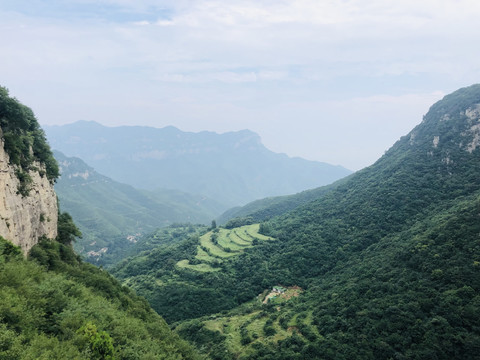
(54, 306)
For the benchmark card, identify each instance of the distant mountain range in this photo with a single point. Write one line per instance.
(232, 168)
(110, 212)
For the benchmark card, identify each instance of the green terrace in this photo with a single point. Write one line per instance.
(220, 244)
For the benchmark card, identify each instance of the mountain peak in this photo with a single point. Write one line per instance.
(455, 103)
(84, 124)
(456, 120)
(449, 133)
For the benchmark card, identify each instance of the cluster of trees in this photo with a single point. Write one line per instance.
(24, 142)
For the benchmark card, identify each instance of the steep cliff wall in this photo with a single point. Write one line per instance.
(23, 220)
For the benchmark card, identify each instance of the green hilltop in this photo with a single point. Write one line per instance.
(176, 275)
(24, 141)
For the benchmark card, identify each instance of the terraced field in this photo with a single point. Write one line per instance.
(248, 329)
(220, 244)
(252, 324)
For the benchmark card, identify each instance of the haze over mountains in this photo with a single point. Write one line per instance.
(232, 168)
(109, 213)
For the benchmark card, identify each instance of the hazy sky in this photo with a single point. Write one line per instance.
(335, 81)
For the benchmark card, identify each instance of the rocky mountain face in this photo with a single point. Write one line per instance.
(25, 219)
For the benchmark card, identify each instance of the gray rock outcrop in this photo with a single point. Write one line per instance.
(23, 220)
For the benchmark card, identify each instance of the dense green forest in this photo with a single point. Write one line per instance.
(388, 261)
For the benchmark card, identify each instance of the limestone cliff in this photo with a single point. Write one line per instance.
(23, 220)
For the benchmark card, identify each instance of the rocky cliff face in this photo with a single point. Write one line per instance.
(23, 220)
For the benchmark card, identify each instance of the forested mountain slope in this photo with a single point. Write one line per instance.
(112, 215)
(389, 260)
(233, 168)
(265, 209)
